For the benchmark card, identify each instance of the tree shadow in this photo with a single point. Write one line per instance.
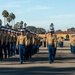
(41, 57)
(37, 70)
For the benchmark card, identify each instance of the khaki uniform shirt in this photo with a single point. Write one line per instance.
(4, 38)
(11, 38)
(28, 39)
(14, 38)
(7, 38)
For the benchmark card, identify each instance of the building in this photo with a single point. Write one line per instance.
(64, 34)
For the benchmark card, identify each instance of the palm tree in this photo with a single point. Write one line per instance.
(7, 25)
(21, 24)
(5, 15)
(16, 26)
(25, 25)
(9, 19)
(52, 27)
(13, 17)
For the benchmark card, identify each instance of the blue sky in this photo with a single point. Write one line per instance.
(41, 13)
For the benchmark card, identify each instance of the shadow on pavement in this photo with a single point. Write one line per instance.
(37, 71)
(42, 57)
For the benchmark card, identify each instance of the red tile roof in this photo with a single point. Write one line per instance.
(65, 32)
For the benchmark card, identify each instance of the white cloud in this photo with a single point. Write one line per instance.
(13, 4)
(20, 2)
(63, 16)
(38, 7)
(10, 5)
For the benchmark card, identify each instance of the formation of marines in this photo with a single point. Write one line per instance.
(26, 43)
(52, 41)
(22, 42)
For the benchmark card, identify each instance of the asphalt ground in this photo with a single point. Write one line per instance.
(64, 64)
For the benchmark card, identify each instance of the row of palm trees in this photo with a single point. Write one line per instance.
(20, 25)
(8, 17)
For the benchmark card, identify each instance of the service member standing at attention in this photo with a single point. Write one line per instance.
(21, 40)
(11, 43)
(1, 53)
(28, 45)
(50, 42)
(14, 42)
(8, 42)
(4, 42)
(17, 34)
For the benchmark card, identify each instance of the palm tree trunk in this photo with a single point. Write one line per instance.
(13, 23)
(4, 21)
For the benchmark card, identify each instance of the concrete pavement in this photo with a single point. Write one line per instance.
(64, 64)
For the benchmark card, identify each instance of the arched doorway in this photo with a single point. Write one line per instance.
(67, 37)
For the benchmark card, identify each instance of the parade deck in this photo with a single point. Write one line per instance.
(64, 64)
